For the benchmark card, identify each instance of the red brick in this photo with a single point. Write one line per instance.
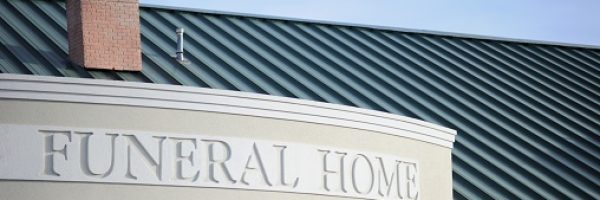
(104, 34)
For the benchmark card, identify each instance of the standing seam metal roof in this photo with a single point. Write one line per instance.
(527, 114)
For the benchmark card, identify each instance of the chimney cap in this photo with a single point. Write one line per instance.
(179, 30)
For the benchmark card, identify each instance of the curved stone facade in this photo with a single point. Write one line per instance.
(54, 144)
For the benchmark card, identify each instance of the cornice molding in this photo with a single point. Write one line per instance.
(80, 90)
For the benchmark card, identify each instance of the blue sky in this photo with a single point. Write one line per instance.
(565, 21)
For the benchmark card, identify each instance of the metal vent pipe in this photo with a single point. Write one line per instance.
(179, 52)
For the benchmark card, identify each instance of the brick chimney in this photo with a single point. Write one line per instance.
(104, 34)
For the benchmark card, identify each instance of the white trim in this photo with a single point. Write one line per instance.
(79, 90)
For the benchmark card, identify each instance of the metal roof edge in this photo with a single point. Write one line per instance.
(376, 27)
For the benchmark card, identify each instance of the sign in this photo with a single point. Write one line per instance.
(195, 160)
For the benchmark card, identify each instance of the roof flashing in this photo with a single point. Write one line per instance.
(375, 27)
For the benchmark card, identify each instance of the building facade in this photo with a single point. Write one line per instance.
(270, 108)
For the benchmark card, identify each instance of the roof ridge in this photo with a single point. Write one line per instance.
(376, 27)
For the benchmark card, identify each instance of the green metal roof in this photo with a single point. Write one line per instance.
(527, 115)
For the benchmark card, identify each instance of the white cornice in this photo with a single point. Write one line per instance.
(79, 90)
